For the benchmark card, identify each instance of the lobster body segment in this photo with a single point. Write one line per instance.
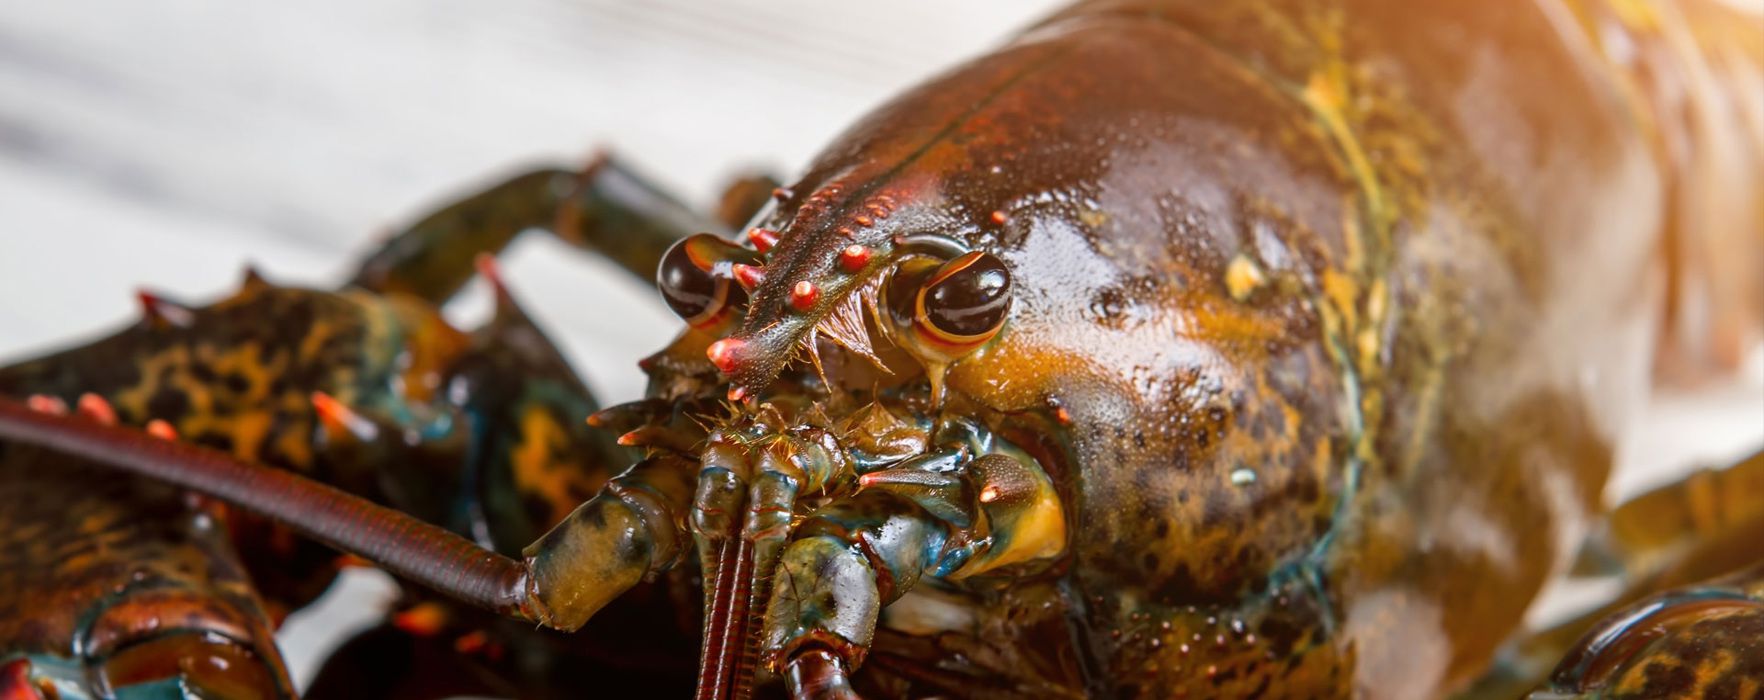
(140, 581)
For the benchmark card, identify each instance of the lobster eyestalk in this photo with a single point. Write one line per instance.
(599, 551)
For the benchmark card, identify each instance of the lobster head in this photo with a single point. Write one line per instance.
(834, 468)
(883, 287)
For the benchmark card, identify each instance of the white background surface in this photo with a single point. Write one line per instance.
(165, 144)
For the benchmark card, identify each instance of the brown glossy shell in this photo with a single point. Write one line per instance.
(1343, 304)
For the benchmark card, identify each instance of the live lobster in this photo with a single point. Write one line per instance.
(1174, 349)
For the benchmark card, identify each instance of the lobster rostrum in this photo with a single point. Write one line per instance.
(1173, 349)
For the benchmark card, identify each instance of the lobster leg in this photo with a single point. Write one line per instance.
(845, 565)
(1697, 641)
(606, 207)
(943, 514)
(1692, 530)
(140, 594)
(1651, 534)
(749, 482)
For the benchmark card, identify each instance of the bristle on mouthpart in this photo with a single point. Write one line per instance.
(845, 326)
(810, 347)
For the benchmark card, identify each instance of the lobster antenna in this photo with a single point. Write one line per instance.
(402, 545)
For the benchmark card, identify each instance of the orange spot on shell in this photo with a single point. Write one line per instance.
(748, 276)
(804, 295)
(161, 429)
(424, 620)
(633, 438)
(52, 405)
(854, 258)
(762, 238)
(337, 418)
(722, 354)
(472, 642)
(999, 217)
(95, 407)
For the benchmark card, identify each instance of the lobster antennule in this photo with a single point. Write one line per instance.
(723, 670)
(403, 545)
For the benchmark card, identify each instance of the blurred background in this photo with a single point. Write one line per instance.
(165, 145)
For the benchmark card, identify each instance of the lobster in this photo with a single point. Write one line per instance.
(1174, 349)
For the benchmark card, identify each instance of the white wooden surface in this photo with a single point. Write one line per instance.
(165, 144)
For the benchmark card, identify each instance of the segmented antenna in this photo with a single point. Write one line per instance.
(402, 545)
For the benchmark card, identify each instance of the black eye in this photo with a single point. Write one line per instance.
(966, 300)
(694, 278)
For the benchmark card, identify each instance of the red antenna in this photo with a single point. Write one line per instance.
(402, 545)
